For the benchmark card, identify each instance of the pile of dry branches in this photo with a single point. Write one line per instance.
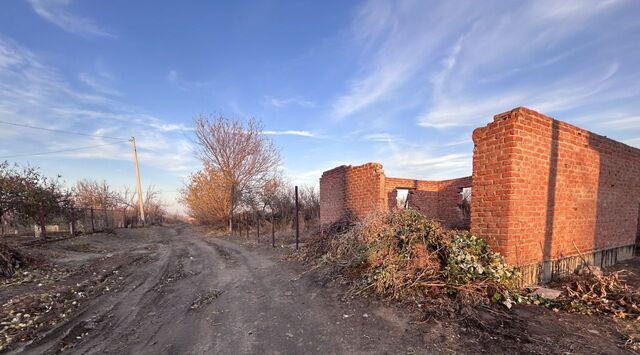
(405, 256)
(600, 294)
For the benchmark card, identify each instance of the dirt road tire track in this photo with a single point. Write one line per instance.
(257, 308)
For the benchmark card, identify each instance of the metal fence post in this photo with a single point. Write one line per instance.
(258, 226)
(73, 221)
(93, 226)
(273, 232)
(297, 219)
(246, 223)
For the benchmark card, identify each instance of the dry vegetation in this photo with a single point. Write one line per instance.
(403, 255)
(28, 198)
(239, 182)
(593, 293)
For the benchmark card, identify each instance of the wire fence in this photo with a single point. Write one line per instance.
(79, 220)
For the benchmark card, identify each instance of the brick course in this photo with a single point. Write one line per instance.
(349, 192)
(543, 192)
(543, 189)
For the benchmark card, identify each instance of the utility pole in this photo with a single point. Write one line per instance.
(297, 219)
(138, 187)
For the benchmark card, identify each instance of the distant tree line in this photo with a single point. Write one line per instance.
(28, 197)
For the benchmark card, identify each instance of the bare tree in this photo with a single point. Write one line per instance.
(153, 205)
(242, 155)
(96, 194)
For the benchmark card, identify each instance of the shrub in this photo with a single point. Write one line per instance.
(402, 254)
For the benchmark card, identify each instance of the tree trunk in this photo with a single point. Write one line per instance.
(41, 220)
(231, 210)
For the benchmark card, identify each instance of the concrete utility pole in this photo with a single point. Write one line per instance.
(138, 186)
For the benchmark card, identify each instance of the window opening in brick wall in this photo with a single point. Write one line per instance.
(465, 204)
(402, 198)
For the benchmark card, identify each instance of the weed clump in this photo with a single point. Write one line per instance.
(403, 255)
(10, 260)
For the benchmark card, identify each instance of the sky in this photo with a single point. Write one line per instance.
(403, 83)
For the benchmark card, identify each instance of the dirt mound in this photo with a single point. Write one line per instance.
(406, 256)
(10, 260)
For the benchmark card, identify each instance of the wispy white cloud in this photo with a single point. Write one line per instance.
(468, 109)
(175, 78)
(395, 39)
(98, 83)
(488, 48)
(472, 61)
(380, 137)
(170, 127)
(284, 102)
(290, 133)
(37, 94)
(419, 164)
(56, 12)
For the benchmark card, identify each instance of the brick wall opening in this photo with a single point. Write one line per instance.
(546, 194)
(402, 197)
(348, 192)
(465, 205)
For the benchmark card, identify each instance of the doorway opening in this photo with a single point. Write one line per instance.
(402, 198)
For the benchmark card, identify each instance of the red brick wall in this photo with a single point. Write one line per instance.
(423, 194)
(542, 188)
(434, 199)
(351, 192)
(449, 198)
(332, 195)
(357, 191)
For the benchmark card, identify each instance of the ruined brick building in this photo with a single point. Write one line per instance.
(544, 193)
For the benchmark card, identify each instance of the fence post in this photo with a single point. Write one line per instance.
(297, 218)
(73, 221)
(93, 226)
(258, 226)
(273, 232)
(246, 223)
(43, 226)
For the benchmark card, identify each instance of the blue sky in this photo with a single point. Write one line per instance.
(403, 83)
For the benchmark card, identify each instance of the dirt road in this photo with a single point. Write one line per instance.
(188, 293)
(175, 290)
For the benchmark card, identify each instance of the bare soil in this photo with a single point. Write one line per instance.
(179, 290)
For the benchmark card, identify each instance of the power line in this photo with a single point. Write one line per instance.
(61, 131)
(58, 151)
